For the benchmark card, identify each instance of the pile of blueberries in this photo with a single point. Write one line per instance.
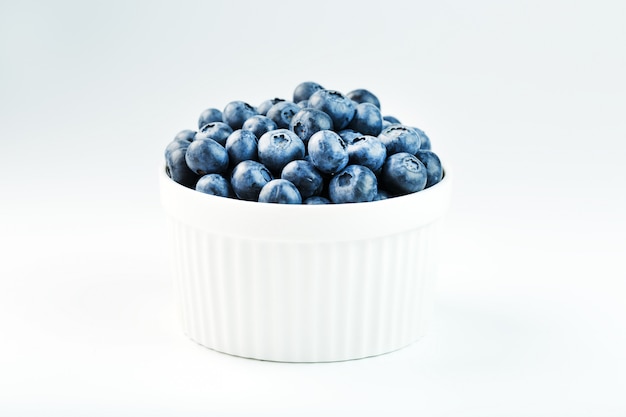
(321, 148)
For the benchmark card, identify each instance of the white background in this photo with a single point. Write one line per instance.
(525, 101)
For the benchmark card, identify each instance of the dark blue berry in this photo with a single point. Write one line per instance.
(186, 134)
(282, 113)
(241, 145)
(304, 176)
(433, 166)
(206, 156)
(309, 121)
(237, 112)
(279, 147)
(218, 131)
(280, 191)
(304, 90)
(367, 120)
(248, 178)
(355, 184)
(348, 135)
(316, 199)
(209, 116)
(403, 173)
(400, 138)
(214, 184)
(368, 151)
(392, 120)
(259, 125)
(424, 139)
(340, 108)
(177, 169)
(327, 152)
(362, 95)
(267, 104)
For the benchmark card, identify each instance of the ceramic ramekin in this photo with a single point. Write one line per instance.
(304, 283)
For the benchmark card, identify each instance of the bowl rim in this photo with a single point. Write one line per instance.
(345, 221)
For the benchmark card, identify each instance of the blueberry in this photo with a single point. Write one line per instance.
(382, 195)
(209, 116)
(259, 124)
(186, 134)
(267, 104)
(328, 151)
(392, 120)
(367, 120)
(218, 131)
(279, 147)
(340, 108)
(206, 156)
(177, 169)
(304, 90)
(280, 191)
(355, 184)
(282, 113)
(241, 145)
(176, 144)
(309, 121)
(399, 138)
(424, 140)
(403, 173)
(316, 199)
(248, 178)
(348, 135)
(386, 124)
(434, 170)
(236, 112)
(303, 104)
(304, 176)
(214, 184)
(368, 151)
(362, 95)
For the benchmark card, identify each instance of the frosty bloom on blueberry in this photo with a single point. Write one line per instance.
(304, 90)
(279, 147)
(214, 184)
(323, 147)
(280, 191)
(399, 138)
(340, 108)
(217, 131)
(241, 145)
(368, 151)
(362, 95)
(355, 184)
(281, 113)
(305, 177)
(267, 104)
(403, 173)
(237, 112)
(208, 116)
(309, 121)
(248, 178)
(206, 156)
(328, 152)
(259, 124)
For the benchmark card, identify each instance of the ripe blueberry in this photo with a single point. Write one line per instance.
(280, 191)
(247, 179)
(279, 147)
(403, 173)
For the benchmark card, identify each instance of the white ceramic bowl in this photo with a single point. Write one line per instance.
(304, 283)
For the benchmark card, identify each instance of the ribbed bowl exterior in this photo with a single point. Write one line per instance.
(303, 300)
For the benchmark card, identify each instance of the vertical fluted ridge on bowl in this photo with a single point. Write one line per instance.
(303, 301)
